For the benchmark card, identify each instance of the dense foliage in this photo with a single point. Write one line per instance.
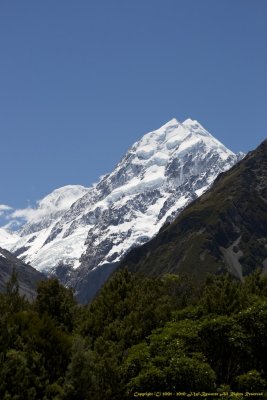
(139, 335)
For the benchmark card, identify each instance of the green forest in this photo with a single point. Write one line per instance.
(141, 337)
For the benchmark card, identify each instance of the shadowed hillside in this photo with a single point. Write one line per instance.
(28, 277)
(225, 229)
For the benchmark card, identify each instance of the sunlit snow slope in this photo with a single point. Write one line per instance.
(157, 178)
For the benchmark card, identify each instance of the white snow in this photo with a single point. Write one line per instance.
(179, 205)
(61, 250)
(145, 152)
(160, 158)
(59, 200)
(126, 207)
(8, 238)
(199, 192)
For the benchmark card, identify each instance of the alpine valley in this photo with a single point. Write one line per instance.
(81, 234)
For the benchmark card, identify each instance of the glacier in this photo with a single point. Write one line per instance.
(74, 232)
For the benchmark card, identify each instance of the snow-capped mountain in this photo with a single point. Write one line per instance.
(50, 208)
(155, 180)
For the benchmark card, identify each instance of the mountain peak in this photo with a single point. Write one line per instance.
(86, 229)
(222, 231)
(195, 126)
(171, 122)
(190, 121)
(169, 125)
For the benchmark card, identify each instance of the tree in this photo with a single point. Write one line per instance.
(251, 382)
(223, 295)
(56, 301)
(14, 300)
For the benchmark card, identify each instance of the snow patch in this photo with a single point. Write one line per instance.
(145, 152)
(59, 200)
(154, 181)
(8, 238)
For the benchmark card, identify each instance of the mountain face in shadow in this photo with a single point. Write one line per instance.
(81, 234)
(28, 277)
(223, 230)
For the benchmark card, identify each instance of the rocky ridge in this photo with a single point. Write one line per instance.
(223, 230)
(157, 178)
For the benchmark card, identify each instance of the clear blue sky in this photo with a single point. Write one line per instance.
(80, 81)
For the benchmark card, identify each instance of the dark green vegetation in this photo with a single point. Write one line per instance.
(223, 230)
(155, 332)
(140, 334)
(27, 276)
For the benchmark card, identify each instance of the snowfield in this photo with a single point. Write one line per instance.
(88, 227)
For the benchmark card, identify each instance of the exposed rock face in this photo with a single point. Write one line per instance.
(28, 277)
(158, 177)
(224, 229)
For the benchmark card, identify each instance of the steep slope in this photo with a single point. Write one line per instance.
(160, 174)
(8, 238)
(28, 277)
(28, 242)
(224, 229)
(50, 208)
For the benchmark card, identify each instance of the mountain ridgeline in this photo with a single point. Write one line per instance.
(172, 322)
(223, 230)
(81, 234)
(27, 277)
